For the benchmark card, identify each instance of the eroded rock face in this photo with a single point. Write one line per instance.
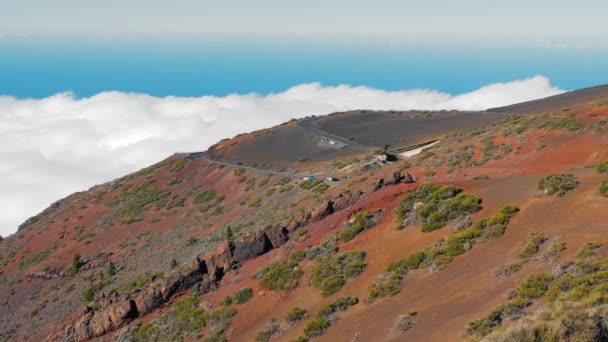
(398, 178)
(202, 276)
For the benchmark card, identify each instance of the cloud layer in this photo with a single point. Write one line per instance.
(55, 146)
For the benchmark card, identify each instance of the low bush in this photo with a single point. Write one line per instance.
(267, 333)
(603, 188)
(239, 172)
(507, 269)
(281, 275)
(405, 322)
(535, 286)
(457, 243)
(332, 272)
(568, 123)
(532, 245)
(327, 315)
(309, 184)
(294, 315)
(316, 327)
(241, 296)
(384, 285)
(360, 222)
(602, 167)
(558, 184)
(434, 206)
(204, 196)
(588, 250)
(574, 297)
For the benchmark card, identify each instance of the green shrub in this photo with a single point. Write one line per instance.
(508, 269)
(295, 314)
(299, 339)
(242, 296)
(457, 243)
(204, 196)
(588, 250)
(76, 264)
(535, 286)
(602, 167)
(281, 276)
(532, 246)
(316, 327)
(88, 294)
(309, 184)
(603, 188)
(239, 172)
(360, 223)
(255, 202)
(558, 184)
(332, 272)
(440, 205)
(266, 334)
(384, 286)
(320, 188)
(568, 123)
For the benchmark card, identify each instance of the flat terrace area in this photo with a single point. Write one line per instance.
(401, 129)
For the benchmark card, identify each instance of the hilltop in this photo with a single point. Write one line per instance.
(364, 225)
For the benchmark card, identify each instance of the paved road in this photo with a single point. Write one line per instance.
(202, 156)
(307, 124)
(343, 142)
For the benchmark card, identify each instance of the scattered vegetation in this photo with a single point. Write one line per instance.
(602, 167)
(603, 188)
(327, 315)
(532, 245)
(294, 315)
(358, 223)
(332, 272)
(434, 206)
(241, 296)
(76, 264)
(138, 283)
(568, 123)
(558, 184)
(441, 254)
(309, 184)
(576, 299)
(204, 196)
(384, 285)
(239, 171)
(405, 322)
(132, 205)
(281, 275)
(186, 320)
(507, 269)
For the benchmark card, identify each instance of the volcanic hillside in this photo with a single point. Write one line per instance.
(496, 232)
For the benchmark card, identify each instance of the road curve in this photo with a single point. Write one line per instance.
(202, 156)
(307, 124)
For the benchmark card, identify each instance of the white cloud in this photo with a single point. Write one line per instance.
(54, 146)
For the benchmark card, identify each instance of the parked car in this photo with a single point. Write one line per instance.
(309, 178)
(331, 179)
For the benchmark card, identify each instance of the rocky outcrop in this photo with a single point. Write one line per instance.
(53, 273)
(202, 276)
(398, 178)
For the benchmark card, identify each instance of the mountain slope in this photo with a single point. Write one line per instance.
(196, 249)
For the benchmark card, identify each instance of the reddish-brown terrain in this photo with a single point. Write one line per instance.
(150, 241)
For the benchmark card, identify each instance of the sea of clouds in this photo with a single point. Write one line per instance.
(54, 146)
